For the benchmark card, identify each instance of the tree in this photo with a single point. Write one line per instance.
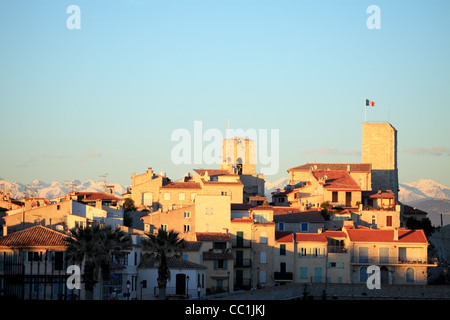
(161, 246)
(94, 246)
(128, 205)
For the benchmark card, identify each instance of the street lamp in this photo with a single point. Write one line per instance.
(128, 289)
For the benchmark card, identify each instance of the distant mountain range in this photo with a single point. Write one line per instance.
(424, 194)
(54, 189)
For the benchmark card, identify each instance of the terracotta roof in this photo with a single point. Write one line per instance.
(183, 185)
(212, 172)
(213, 236)
(336, 234)
(383, 194)
(375, 235)
(34, 237)
(238, 182)
(315, 237)
(300, 216)
(244, 220)
(337, 180)
(93, 196)
(354, 167)
(284, 236)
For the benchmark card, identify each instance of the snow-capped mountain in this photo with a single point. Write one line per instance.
(54, 189)
(269, 187)
(423, 189)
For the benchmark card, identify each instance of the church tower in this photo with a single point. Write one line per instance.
(238, 156)
(379, 147)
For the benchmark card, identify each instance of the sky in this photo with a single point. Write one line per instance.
(106, 98)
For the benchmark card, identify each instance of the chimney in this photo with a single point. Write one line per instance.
(395, 234)
(348, 168)
(5, 230)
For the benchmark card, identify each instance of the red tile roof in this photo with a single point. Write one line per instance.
(34, 237)
(383, 194)
(284, 236)
(213, 236)
(337, 180)
(183, 185)
(375, 235)
(93, 196)
(354, 167)
(336, 234)
(315, 237)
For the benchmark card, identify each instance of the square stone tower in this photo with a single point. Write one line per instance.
(238, 154)
(379, 147)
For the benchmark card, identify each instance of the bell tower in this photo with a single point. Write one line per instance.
(379, 147)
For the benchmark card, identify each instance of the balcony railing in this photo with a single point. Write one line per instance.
(242, 263)
(390, 260)
(336, 249)
(283, 276)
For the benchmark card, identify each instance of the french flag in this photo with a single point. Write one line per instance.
(370, 103)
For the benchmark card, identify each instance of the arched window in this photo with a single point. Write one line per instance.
(409, 275)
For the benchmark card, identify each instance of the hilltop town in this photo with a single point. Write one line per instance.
(328, 225)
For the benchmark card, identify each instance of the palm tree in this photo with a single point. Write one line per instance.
(94, 246)
(161, 246)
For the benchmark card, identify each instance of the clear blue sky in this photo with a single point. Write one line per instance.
(76, 104)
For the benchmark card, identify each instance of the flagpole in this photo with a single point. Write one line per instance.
(365, 112)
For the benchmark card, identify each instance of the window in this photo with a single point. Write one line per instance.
(364, 254)
(58, 207)
(409, 275)
(181, 196)
(280, 226)
(187, 214)
(187, 228)
(263, 237)
(263, 257)
(34, 256)
(282, 249)
(164, 227)
(374, 220)
(302, 252)
(388, 221)
(304, 227)
(363, 274)
(221, 264)
(334, 196)
(223, 193)
(281, 200)
(147, 199)
(166, 196)
(262, 276)
(303, 272)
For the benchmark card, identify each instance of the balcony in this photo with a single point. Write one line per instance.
(336, 249)
(283, 276)
(377, 260)
(242, 263)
